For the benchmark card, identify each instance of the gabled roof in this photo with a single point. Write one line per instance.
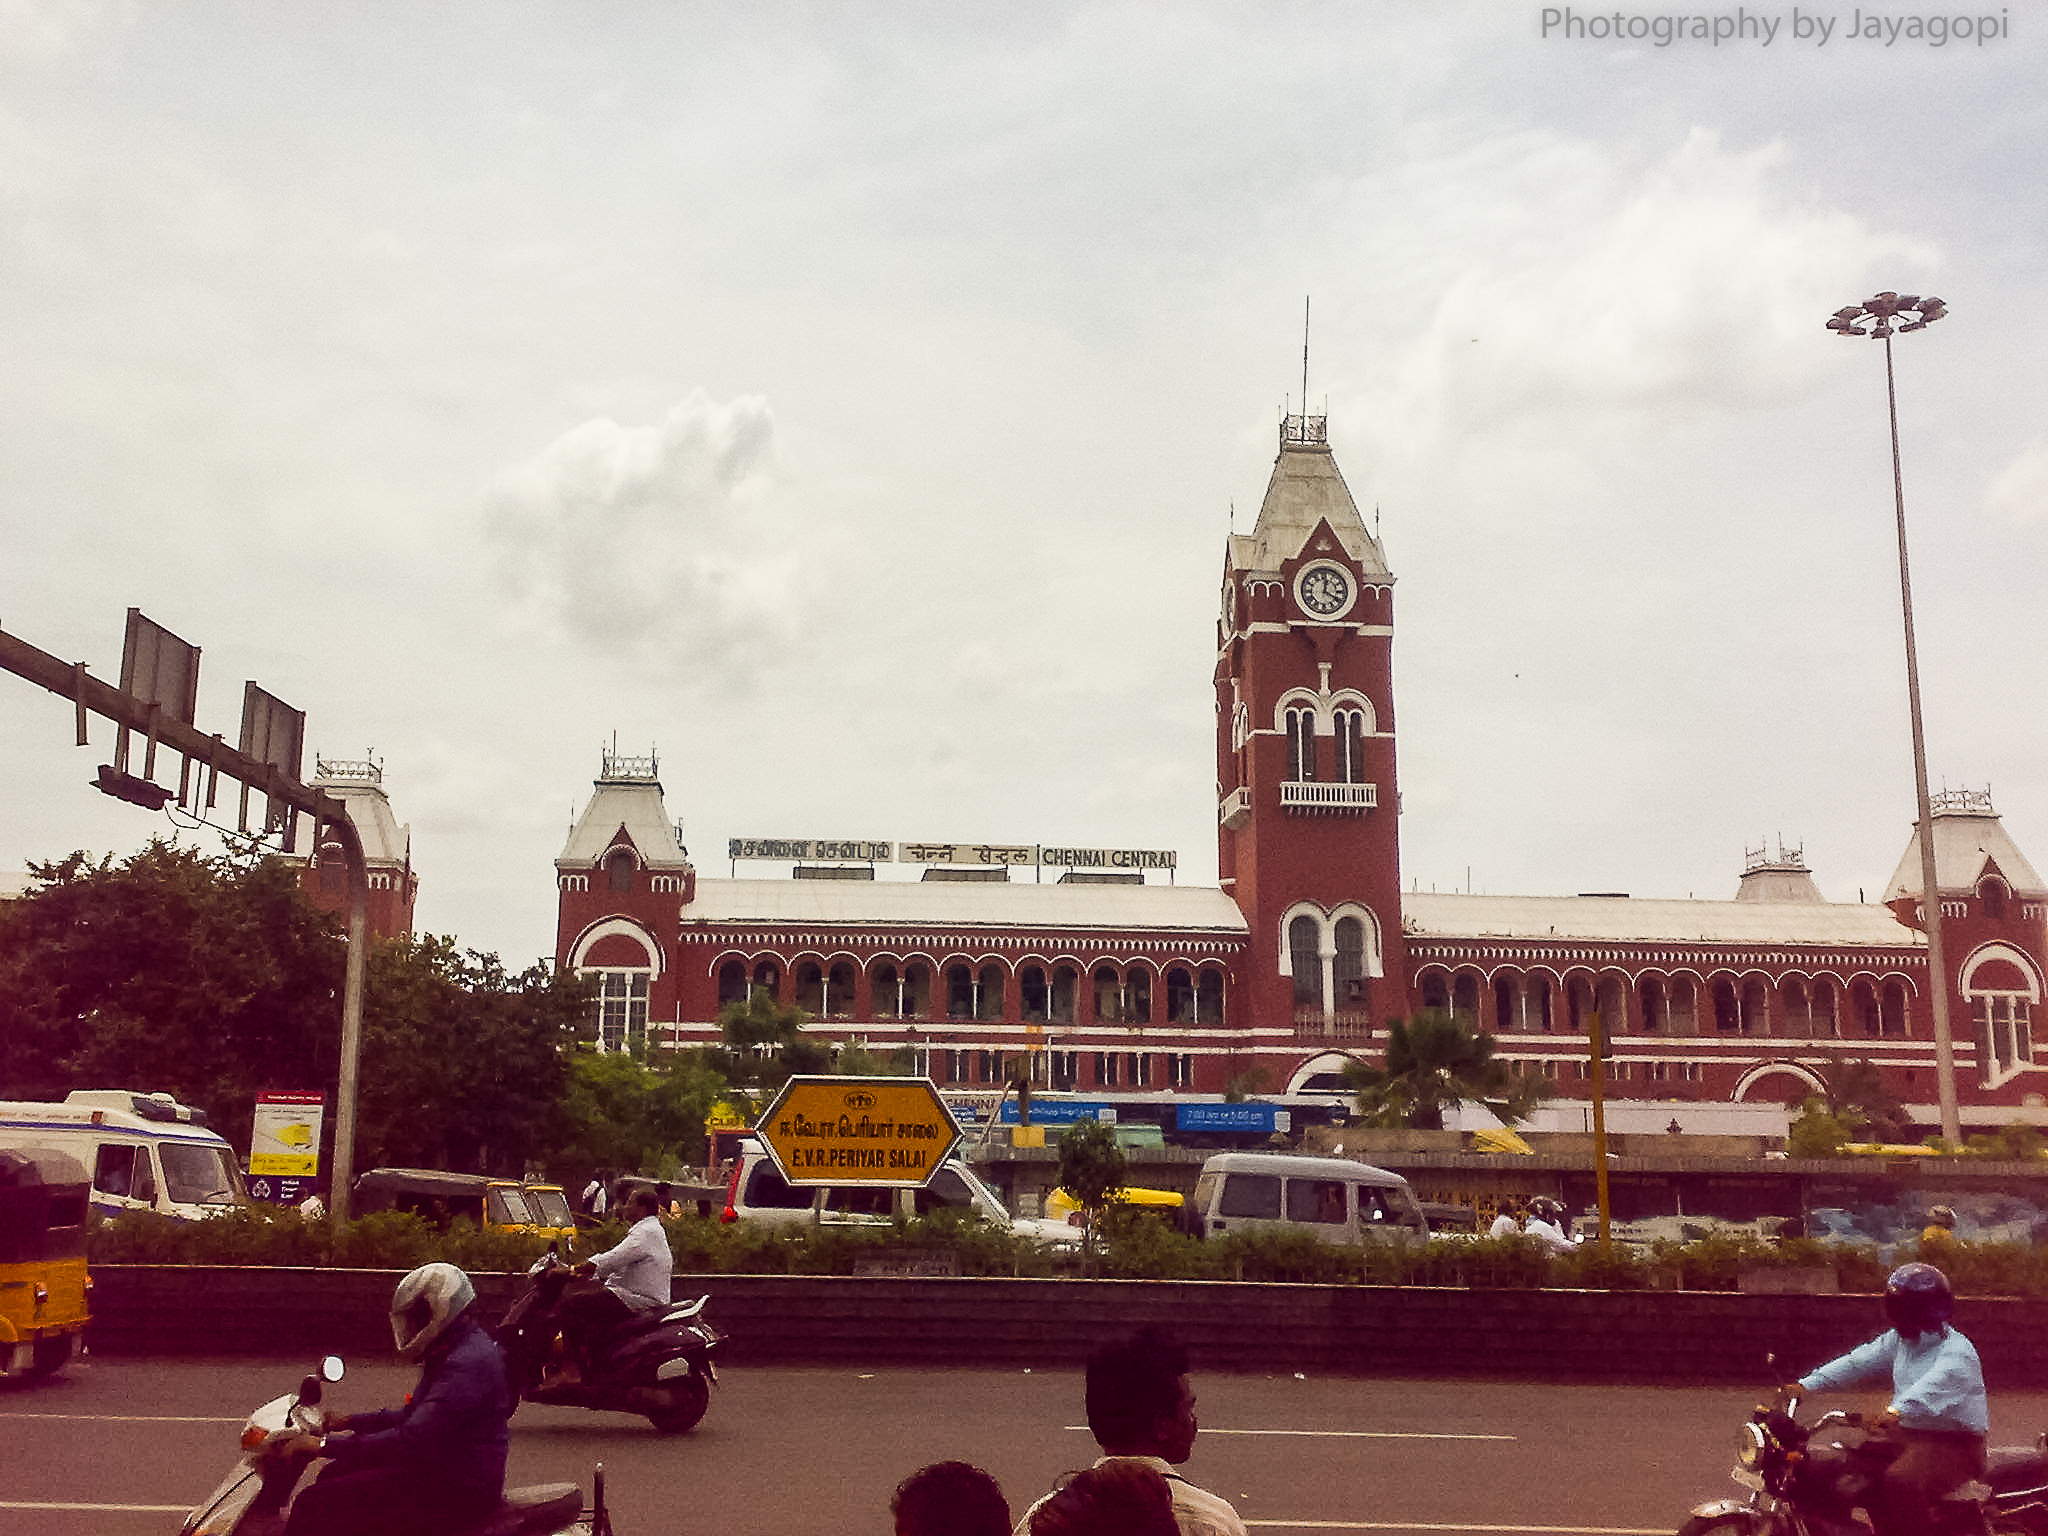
(1306, 489)
(1613, 919)
(633, 805)
(1123, 909)
(1964, 843)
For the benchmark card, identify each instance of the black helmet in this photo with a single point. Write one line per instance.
(1917, 1300)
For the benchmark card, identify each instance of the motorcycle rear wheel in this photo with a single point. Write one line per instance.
(1744, 1524)
(687, 1400)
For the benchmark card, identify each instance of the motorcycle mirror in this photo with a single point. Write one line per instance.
(331, 1368)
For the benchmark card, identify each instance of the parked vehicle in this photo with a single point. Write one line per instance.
(143, 1151)
(1334, 1199)
(1164, 1203)
(759, 1193)
(250, 1500)
(656, 1362)
(441, 1199)
(1808, 1480)
(45, 1292)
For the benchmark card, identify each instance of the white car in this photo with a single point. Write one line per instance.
(758, 1192)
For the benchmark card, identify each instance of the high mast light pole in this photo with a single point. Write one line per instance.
(1879, 318)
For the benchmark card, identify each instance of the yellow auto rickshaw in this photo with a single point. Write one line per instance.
(442, 1198)
(45, 1292)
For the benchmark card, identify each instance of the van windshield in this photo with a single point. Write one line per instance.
(198, 1173)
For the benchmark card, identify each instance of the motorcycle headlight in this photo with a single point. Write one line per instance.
(1749, 1445)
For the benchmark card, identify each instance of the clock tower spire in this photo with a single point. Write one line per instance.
(1308, 836)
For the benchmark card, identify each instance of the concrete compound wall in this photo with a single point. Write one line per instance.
(1646, 1337)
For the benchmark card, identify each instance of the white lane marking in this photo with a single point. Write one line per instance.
(103, 1509)
(128, 1418)
(1346, 1434)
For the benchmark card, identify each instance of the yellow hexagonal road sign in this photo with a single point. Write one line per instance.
(890, 1131)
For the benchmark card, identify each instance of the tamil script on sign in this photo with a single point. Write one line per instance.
(845, 849)
(859, 1143)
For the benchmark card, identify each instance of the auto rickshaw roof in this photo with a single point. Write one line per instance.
(427, 1181)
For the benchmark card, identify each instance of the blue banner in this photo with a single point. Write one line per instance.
(1227, 1117)
(1054, 1112)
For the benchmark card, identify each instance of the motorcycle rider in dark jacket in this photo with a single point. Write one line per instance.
(437, 1464)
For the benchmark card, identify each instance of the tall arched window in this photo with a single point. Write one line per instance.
(618, 868)
(1209, 996)
(1301, 745)
(1064, 980)
(1351, 746)
(1304, 953)
(1348, 974)
(732, 983)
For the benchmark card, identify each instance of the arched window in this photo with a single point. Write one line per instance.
(1301, 745)
(1138, 994)
(1064, 980)
(1727, 1014)
(1209, 996)
(1180, 995)
(1893, 1016)
(1304, 952)
(810, 988)
(839, 990)
(1034, 996)
(1465, 987)
(767, 977)
(988, 986)
(1991, 892)
(732, 983)
(1109, 995)
(618, 869)
(621, 1010)
(885, 991)
(1756, 1008)
(1436, 992)
(1350, 746)
(959, 991)
(1348, 974)
(1655, 1004)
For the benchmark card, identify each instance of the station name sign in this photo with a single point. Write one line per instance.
(863, 852)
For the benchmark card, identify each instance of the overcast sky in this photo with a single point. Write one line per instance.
(851, 401)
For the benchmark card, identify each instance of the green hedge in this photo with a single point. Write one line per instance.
(1131, 1246)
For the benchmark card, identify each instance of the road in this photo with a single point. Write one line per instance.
(115, 1447)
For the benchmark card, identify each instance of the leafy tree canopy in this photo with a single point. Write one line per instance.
(203, 976)
(765, 1045)
(209, 977)
(1436, 1060)
(626, 1116)
(1855, 1092)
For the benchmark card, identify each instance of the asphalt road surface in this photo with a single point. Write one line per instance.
(114, 1447)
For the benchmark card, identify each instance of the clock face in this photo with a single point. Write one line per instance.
(1324, 590)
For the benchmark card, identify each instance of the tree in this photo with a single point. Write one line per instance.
(1817, 1132)
(1855, 1092)
(1092, 1168)
(463, 1066)
(765, 1045)
(208, 977)
(1434, 1061)
(626, 1116)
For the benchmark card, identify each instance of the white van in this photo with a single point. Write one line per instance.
(145, 1151)
(1332, 1198)
(759, 1193)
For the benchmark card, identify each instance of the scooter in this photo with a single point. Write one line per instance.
(251, 1499)
(1810, 1480)
(656, 1362)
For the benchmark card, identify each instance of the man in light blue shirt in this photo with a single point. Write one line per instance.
(1938, 1412)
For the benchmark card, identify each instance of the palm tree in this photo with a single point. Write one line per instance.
(1433, 1061)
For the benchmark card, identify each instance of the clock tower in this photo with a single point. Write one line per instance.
(1308, 803)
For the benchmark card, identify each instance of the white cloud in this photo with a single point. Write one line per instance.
(648, 540)
(2020, 493)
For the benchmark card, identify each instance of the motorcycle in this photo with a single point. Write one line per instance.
(1800, 1488)
(656, 1362)
(251, 1499)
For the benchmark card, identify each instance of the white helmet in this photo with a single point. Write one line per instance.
(425, 1303)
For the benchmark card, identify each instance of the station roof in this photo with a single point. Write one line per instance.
(1132, 909)
(1965, 842)
(1306, 489)
(1620, 919)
